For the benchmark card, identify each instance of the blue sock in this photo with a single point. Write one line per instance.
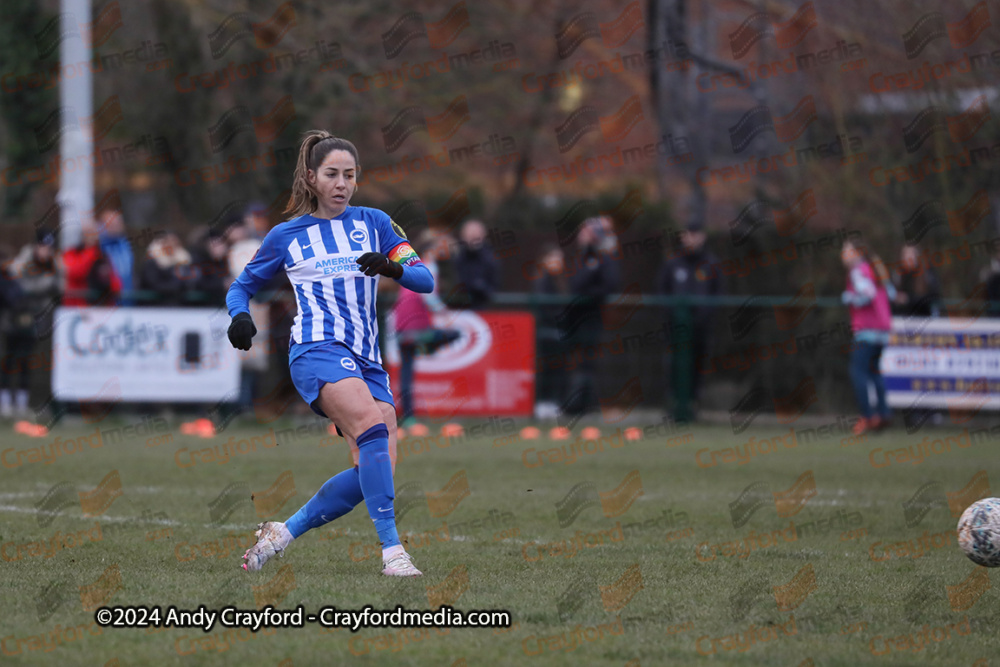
(375, 474)
(338, 496)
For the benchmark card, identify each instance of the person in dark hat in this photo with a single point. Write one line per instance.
(38, 272)
(256, 220)
(691, 272)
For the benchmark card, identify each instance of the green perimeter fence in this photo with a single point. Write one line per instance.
(654, 351)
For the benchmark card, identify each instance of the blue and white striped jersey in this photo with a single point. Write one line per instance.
(336, 301)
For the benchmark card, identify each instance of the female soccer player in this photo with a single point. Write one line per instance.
(868, 294)
(333, 254)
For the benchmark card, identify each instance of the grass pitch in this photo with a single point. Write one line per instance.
(688, 547)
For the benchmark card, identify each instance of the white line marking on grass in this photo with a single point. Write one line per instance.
(18, 494)
(129, 519)
(473, 538)
(10, 495)
(831, 502)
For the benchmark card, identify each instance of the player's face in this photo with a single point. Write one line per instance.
(334, 183)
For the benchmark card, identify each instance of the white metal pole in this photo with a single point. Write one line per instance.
(76, 144)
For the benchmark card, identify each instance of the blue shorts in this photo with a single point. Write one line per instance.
(333, 362)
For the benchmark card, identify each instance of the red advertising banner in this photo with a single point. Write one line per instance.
(489, 370)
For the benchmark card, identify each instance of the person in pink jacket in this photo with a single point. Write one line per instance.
(414, 326)
(868, 294)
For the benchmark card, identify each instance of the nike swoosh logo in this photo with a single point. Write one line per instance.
(306, 247)
(384, 510)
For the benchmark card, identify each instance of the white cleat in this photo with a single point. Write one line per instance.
(400, 565)
(272, 538)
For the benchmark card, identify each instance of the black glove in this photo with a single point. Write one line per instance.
(241, 331)
(372, 263)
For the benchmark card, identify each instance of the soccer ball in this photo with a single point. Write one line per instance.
(979, 532)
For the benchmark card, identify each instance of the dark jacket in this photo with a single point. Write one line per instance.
(993, 288)
(478, 274)
(596, 276)
(169, 275)
(42, 286)
(169, 283)
(692, 274)
(211, 280)
(15, 317)
(547, 314)
(923, 291)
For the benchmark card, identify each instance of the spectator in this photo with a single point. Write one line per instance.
(256, 221)
(415, 331)
(167, 271)
(691, 273)
(274, 304)
(235, 231)
(118, 249)
(90, 279)
(918, 290)
(868, 294)
(991, 277)
(39, 274)
(195, 241)
(243, 245)
(210, 271)
(212, 263)
(17, 328)
(551, 282)
(476, 265)
(595, 278)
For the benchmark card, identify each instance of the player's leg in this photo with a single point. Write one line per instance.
(380, 388)
(351, 406)
(339, 494)
(389, 414)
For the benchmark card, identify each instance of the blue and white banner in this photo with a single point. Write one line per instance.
(943, 363)
(143, 354)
